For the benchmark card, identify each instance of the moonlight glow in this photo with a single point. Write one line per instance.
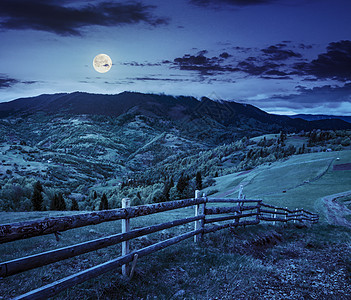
(102, 63)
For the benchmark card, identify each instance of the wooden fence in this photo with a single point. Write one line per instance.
(240, 212)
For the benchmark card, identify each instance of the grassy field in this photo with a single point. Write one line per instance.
(264, 261)
(298, 182)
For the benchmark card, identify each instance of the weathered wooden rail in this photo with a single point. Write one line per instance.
(241, 212)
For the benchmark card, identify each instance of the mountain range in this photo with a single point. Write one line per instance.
(309, 117)
(174, 108)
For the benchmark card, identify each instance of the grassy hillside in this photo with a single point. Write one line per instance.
(299, 181)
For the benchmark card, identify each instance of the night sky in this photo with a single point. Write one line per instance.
(284, 56)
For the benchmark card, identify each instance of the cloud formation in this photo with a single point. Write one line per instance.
(335, 63)
(53, 16)
(203, 64)
(216, 3)
(6, 82)
(276, 52)
(325, 96)
(268, 63)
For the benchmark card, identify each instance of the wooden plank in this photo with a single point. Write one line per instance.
(264, 218)
(197, 212)
(41, 259)
(226, 200)
(226, 210)
(272, 212)
(125, 228)
(214, 228)
(232, 217)
(69, 281)
(23, 230)
(135, 258)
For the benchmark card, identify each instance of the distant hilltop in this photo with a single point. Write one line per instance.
(175, 108)
(308, 117)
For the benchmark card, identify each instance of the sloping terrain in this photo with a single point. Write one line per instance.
(299, 181)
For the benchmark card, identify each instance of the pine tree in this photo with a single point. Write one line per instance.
(54, 203)
(182, 183)
(166, 189)
(37, 197)
(61, 202)
(103, 203)
(74, 205)
(198, 181)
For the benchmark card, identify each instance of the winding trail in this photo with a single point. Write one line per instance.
(336, 211)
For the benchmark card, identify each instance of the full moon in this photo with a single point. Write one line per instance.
(102, 63)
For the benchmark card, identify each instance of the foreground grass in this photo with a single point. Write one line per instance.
(243, 263)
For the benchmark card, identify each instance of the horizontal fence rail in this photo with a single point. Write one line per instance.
(23, 230)
(240, 212)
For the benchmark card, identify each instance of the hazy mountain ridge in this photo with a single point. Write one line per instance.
(309, 117)
(180, 108)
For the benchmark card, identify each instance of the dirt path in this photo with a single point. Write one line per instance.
(336, 211)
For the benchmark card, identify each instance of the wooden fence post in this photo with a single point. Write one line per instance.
(125, 228)
(295, 212)
(240, 195)
(258, 212)
(202, 221)
(274, 216)
(197, 212)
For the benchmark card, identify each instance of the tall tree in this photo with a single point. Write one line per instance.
(166, 189)
(37, 197)
(182, 183)
(198, 181)
(74, 205)
(54, 203)
(61, 202)
(103, 203)
(58, 202)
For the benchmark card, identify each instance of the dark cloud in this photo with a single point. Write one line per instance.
(305, 46)
(335, 63)
(217, 3)
(277, 53)
(146, 78)
(262, 65)
(53, 16)
(225, 55)
(250, 67)
(144, 64)
(325, 96)
(6, 82)
(203, 64)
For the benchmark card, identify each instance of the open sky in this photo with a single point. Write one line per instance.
(284, 56)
